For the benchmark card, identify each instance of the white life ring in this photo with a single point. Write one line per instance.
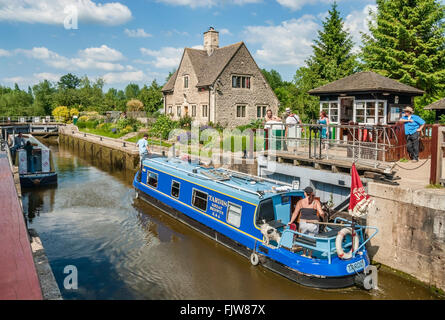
(339, 241)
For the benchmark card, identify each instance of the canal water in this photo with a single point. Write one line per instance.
(123, 248)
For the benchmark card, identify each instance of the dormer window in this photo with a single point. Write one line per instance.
(241, 82)
(186, 82)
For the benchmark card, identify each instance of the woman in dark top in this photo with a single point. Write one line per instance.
(306, 211)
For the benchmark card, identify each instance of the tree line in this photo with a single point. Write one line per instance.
(406, 42)
(80, 93)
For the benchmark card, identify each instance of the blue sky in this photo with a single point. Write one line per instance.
(141, 40)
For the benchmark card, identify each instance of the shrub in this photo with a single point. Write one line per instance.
(74, 112)
(135, 105)
(163, 126)
(61, 113)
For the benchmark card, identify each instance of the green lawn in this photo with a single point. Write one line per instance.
(104, 133)
(150, 141)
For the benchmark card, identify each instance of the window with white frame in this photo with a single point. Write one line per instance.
(370, 112)
(170, 110)
(331, 109)
(178, 111)
(193, 110)
(234, 214)
(186, 82)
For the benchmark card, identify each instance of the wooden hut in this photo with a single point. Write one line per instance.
(365, 98)
(439, 107)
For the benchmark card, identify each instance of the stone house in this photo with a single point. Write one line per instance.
(218, 85)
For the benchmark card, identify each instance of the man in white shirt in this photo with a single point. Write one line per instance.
(292, 130)
(144, 151)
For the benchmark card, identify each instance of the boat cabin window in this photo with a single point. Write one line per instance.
(152, 179)
(175, 189)
(199, 199)
(234, 214)
(265, 211)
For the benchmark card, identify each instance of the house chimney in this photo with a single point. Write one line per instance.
(211, 40)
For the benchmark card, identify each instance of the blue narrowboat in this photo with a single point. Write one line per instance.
(250, 215)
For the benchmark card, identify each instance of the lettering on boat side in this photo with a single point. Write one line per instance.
(356, 266)
(217, 206)
(229, 310)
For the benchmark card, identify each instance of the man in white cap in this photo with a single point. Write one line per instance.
(292, 130)
(413, 127)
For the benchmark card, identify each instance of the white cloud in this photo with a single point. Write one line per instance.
(286, 44)
(207, 3)
(33, 79)
(166, 57)
(102, 58)
(53, 11)
(123, 77)
(225, 31)
(138, 33)
(102, 53)
(357, 22)
(4, 53)
(298, 4)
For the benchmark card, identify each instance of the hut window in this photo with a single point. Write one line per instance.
(175, 189)
(370, 112)
(199, 200)
(152, 179)
(178, 109)
(234, 214)
(331, 109)
(186, 82)
(193, 110)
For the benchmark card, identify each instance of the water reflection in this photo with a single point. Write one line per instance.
(126, 249)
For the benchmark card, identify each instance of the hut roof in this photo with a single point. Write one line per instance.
(439, 104)
(366, 81)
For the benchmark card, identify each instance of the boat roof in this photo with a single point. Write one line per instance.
(240, 185)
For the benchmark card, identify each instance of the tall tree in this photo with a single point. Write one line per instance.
(43, 96)
(407, 43)
(332, 59)
(69, 81)
(151, 97)
(132, 91)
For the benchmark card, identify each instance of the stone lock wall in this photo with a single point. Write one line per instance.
(411, 234)
(113, 158)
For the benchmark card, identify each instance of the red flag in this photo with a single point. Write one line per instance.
(360, 200)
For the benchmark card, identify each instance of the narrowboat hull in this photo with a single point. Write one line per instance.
(38, 180)
(246, 248)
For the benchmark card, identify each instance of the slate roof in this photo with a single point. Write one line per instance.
(439, 104)
(207, 68)
(366, 81)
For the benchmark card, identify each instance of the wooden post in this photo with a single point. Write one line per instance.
(435, 161)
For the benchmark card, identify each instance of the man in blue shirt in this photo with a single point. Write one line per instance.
(413, 126)
(144, 151)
